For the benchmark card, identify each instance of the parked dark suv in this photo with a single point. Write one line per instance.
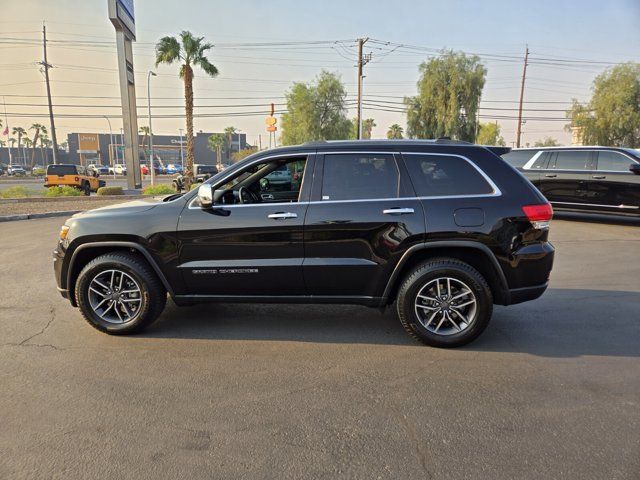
(445, 230)
(596, 179)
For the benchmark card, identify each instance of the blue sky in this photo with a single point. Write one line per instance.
(565, 30)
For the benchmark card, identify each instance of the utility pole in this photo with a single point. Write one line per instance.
(362, 61)
(45, 64)
(524, 76)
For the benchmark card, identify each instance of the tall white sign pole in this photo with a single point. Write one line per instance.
(122, 15)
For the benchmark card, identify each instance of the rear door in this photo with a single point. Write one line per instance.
(566, 178)
(613, 186)
(363, 217)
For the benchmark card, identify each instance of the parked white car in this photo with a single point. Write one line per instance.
(16, 170)
(120, 169)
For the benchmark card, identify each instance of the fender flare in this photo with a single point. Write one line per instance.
(504, 286)
(120, 244)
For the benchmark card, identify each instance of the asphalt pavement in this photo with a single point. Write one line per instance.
(550, 390)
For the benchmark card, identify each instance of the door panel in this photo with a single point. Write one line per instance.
(613, 187)
(566, 178)
(239, 250)
(351, 247)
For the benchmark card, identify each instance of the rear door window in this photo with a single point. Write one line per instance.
(356, 176)
(571, 160)
(445, 175)
(61, 170)
(613, 161)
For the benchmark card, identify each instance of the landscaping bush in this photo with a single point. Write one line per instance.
(18, 191)
(161, 189)
(110, 191)
(64, 191)
(38, 172)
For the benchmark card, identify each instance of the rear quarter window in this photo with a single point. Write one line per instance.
(445, 175)
(61, 170)
(518, 158)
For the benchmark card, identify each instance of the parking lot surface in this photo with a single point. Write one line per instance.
(550, 390)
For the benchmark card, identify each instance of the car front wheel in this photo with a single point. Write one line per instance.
(119, 293)
(444, 303)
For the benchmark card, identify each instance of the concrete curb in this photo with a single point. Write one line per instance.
(28, 216)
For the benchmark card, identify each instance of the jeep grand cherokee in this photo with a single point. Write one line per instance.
(443, 229)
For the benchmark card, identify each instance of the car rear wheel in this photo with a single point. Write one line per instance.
(119, 293)
(444, 303)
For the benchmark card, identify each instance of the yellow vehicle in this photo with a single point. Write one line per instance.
(73, 176)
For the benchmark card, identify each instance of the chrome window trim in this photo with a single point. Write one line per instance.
(622, 205)
(532, 160)
(496, 190)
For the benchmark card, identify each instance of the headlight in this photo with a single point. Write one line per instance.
(64, 230)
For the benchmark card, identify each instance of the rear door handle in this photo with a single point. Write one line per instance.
(282, 215)
(397, 211)
(599, 177)
(550, 175)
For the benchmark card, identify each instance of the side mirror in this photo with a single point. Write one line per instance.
(635, 168)
(205, 195)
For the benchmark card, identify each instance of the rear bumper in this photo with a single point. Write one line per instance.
(519, 295)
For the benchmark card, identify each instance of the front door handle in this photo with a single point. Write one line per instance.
(599, 177)
(550, 175)
(397, 211)
(282, 215)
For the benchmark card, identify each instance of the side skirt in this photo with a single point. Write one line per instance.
(184, 300)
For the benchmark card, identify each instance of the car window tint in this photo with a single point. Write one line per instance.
(571, 160)
(359, 176)
(61, 170)
(541, 161)
(518, 158)
(444, 175)
(613, 161)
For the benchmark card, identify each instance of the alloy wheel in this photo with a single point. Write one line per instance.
(446, 306)
(115, 296)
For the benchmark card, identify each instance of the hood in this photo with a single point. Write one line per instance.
(135, 206)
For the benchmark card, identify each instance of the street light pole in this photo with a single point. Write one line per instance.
(110, 140)
(149, 75)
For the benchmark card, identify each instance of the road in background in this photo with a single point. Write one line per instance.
(550, 390)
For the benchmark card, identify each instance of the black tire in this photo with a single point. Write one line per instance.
(152, 293)
(463, 275)
(86, 189)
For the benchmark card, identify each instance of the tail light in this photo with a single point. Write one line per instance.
(539, 215)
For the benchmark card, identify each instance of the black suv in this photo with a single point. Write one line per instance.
(445, 230)
(588, 179)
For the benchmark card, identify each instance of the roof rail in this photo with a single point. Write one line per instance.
(448, 140)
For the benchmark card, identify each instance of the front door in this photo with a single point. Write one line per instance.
(363, 217)
(250, 242)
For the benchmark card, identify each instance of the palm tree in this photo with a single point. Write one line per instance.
(64, 145)
(229, 131)
(145, 132)
(395, 131)
(39, 130)
(44, 142)
(367, 127)
(189, 51)
(215, 143)
(20, 132)
(27, 143)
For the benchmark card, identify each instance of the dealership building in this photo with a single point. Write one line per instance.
(105, 149)
(86, 148)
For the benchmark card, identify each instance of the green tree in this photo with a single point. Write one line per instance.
(489, 134)
(228, 137)
(189, 51)
(449, 91)
(216, 143)
(367, 128)
(316, 111)
(145, 136)
(395, 132)
(38, 129)
(612, 116)
(245, 152)
(546, 142)
(20, 132)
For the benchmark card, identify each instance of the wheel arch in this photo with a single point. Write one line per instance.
(476, 254)
(86, 252)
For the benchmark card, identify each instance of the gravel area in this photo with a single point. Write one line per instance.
(73, 203)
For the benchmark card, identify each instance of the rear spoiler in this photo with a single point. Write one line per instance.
(497, 150)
